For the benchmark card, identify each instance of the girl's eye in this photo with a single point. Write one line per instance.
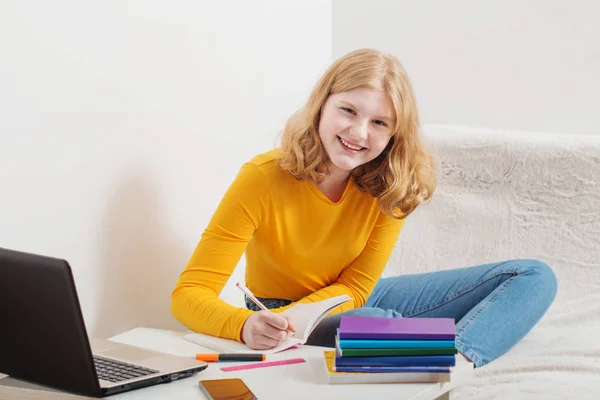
(348, 110)
(379, 122)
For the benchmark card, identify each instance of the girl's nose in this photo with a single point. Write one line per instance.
(359, 131)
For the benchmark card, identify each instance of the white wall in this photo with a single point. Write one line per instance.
(514, 64)
(123, 122)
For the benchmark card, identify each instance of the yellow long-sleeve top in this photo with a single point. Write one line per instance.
(299, 246)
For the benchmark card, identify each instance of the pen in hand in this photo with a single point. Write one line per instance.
(251, 296)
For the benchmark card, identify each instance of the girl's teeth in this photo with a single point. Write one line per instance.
(348, 145)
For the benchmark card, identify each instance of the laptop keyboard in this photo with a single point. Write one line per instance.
(116, 371)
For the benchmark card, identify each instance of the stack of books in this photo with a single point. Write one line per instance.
(387, 350)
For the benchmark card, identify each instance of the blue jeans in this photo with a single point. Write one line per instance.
(494, 305)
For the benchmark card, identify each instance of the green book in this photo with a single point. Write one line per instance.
(395, 352)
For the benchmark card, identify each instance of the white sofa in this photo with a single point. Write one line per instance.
(513, 194)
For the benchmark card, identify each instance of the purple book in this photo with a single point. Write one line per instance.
(397, 328)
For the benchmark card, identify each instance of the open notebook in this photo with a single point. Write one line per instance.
(306, 317)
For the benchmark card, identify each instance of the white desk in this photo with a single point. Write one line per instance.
(296, 381)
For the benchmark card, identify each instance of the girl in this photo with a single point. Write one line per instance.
(319, 217)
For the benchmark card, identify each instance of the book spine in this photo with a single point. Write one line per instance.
(396, 352)
(396, 361)
(442, 370)
(396, 336)
(396, 344)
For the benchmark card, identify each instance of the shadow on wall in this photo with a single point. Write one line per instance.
(141, 259)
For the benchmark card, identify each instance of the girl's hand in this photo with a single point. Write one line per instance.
(265, 330)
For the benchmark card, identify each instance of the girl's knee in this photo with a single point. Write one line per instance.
(545, 278)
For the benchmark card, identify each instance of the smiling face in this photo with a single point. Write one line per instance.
(355, 127)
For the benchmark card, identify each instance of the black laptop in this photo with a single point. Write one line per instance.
(43, 338)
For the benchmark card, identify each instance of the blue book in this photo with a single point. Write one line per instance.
(396, 361)
(393, 344)
(396, 344)
(346, 375)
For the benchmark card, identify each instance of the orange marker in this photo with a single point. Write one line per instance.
(230, 357)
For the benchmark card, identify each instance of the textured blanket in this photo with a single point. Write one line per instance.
(513, 194)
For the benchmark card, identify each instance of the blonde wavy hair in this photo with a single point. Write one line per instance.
(402, 177)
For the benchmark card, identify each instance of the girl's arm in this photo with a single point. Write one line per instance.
(194, 301)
